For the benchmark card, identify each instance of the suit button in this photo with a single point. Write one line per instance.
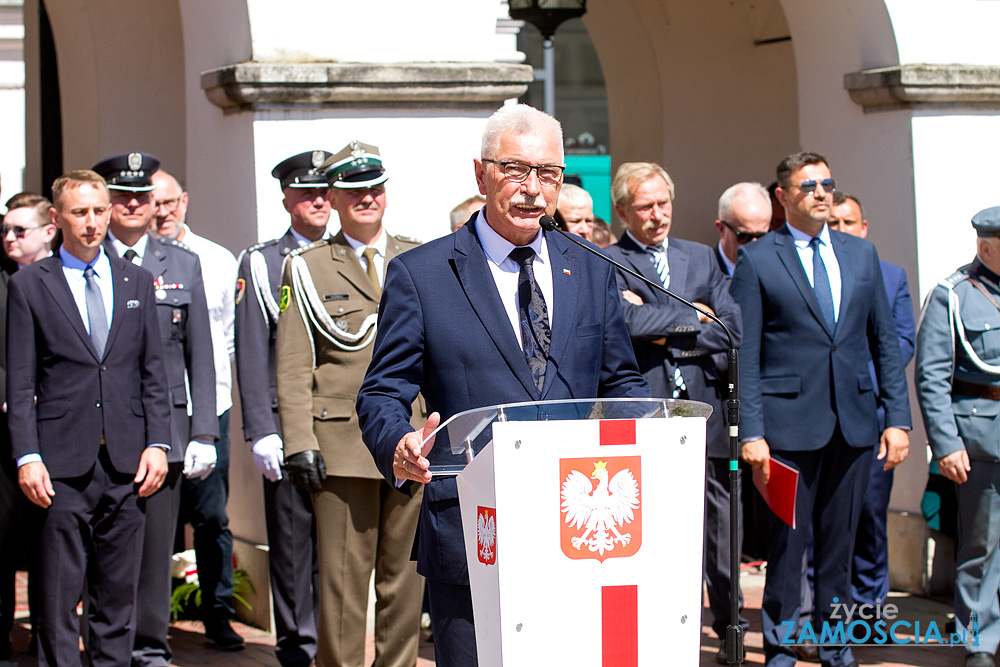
(322, 414)
(833, 348)
(975, 410)
(104, 368)
(98, 404)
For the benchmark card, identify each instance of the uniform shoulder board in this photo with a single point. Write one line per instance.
(408, 239)
(178, 244)
(262, 244)
(961, 275)
(311, 246)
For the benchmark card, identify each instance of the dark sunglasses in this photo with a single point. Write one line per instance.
(19, 232)
(809, 187)
(743, 237)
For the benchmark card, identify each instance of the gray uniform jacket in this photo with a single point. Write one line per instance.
(958, 339)
(182, 312)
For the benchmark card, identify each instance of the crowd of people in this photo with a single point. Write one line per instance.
(350, 348)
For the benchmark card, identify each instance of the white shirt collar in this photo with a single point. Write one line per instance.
(730, 266)
(663, 246)
(380, 244)
(497, 248)
(139, 247)
(803, 239)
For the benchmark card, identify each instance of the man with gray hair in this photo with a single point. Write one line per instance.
(451, 316)
(575, 211)
(744, 216)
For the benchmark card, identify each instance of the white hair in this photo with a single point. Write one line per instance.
(573, 196)
(519, 119)
(727, 198)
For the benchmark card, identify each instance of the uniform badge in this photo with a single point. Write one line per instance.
(132, 304)
(342, 324)
(486, 535)
(241, 288)
(135, 161)
(603, 520)
(318, 158)
(286, 297)
(161, 294)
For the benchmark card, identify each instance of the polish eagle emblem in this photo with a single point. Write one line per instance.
(598, 520)
(486, 535)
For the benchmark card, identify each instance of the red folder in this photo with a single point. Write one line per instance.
(779, 492)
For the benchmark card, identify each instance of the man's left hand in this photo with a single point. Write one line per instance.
(701, 316)
(893, 447)
(152, 471)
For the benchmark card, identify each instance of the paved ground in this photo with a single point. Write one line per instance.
(191, 650)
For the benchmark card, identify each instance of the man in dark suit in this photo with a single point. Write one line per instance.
(288, 510)
(813, 306)
(680, 352)
(89, 422)
(452, 326)
(870, 567)
(182, 312)
(744, 216)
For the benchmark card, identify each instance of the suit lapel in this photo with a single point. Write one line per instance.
(641, 261)
(677, 261)
(55, 283)
(565, 278)
(122, 292)
(349, 267)
(154, 260)
(789, 257)
(846, 262)
(477, 282)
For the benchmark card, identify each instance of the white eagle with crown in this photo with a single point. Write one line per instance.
(602, 510)
(487, 535)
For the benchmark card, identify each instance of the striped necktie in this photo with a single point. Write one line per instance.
(659, 259)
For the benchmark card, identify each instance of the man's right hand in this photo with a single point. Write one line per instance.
(758, 454)
(307, 470)
(410, 460)
(268, 452)
(955, 466)
(33, 479)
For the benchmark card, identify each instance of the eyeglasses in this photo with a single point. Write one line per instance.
(743, 237)
(809, 187)
(169, 204)
(518, 172)
(19, 232)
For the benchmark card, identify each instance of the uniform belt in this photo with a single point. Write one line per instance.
(973, 390)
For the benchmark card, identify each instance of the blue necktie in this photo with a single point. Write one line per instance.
(533, 315)
(97, 316)
(659, 259)
(821, 286)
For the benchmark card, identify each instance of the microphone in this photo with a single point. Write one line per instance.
(734, 632)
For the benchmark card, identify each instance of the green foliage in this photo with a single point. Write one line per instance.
(185, 601)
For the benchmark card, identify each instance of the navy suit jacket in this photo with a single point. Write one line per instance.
(80, 396)
(443, 331)
(699, 349)
(897, 289)
(797, 381)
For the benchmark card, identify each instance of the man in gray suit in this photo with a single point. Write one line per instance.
(182, 312)
(958, 387)
(680, 352)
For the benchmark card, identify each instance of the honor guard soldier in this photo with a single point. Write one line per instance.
(329, 297)
(958, 386)
(182, 312)
(291, 527)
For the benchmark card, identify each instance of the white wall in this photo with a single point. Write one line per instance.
(12, 139)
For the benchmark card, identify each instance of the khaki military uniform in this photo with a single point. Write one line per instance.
(325, 334)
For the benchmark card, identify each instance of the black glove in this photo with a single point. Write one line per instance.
(307, 470)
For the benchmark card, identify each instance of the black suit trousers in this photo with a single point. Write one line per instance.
(91, 534)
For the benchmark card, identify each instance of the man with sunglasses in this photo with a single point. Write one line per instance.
(813, 306)
(680, 352)
(744, 216)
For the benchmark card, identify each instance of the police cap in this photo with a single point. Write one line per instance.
(987, 222)
(131, 172)
(302, 170)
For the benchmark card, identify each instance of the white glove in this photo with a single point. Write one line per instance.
(268, 453)
(199, 460)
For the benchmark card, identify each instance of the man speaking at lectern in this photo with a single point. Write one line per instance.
(452, 326)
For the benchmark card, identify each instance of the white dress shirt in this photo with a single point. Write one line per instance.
(730, 266)
(73, 268)
(218, 270)
(829, 260)
(139, 247)
(380, 245)
(506, 270)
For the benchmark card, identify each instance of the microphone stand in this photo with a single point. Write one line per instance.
(734, 631)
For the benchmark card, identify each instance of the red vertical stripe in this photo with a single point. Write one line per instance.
(620, 626)
(617, 431)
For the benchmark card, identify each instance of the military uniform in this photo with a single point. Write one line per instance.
(958, 387)
(323, 350)
(291, 526)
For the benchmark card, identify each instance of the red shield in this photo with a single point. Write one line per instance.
(600, 509)
(486, 535)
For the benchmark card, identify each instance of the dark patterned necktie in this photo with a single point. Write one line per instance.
(97, 316)
(533, 315)
(821, 286)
